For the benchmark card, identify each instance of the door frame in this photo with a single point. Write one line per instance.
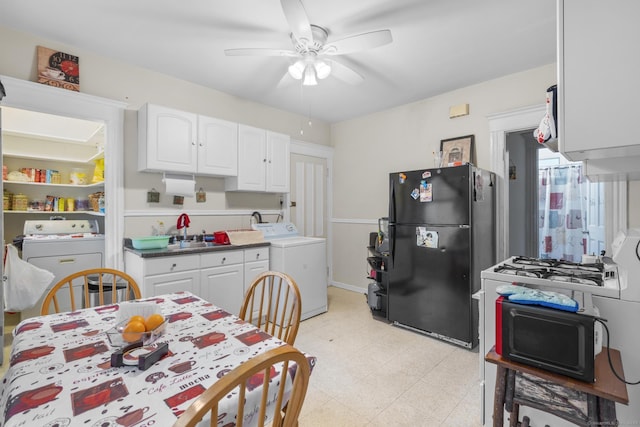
(33, 96)
(501, 124)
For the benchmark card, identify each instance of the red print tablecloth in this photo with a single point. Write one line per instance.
(60, 375)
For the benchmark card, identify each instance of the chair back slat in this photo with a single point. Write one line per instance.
(280, 359)
(64, 291)
(272, 303)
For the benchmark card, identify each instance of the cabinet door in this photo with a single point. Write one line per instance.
(174, 282)
(598, 78)
(167, 139)
(251, 271)
(277, 180)
(223, 287)
(252, 158)
(217, 147)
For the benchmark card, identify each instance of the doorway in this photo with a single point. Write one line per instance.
(554, 210)
(614, 193)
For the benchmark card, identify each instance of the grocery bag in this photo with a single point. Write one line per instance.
(24, 283)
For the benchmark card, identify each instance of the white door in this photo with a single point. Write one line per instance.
(309, 194)
(595, 237)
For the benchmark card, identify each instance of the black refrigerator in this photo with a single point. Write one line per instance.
(441, 236)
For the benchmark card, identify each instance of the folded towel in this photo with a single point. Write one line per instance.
(523, 295)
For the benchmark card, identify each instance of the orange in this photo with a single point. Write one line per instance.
(154, 321)
(133, 331)
(136, 318)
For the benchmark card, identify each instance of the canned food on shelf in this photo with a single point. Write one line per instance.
(20, 202)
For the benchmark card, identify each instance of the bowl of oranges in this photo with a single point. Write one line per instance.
(137, 322)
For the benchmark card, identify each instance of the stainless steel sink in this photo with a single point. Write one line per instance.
(190, 244)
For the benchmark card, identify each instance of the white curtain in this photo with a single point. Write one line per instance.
(562, 206)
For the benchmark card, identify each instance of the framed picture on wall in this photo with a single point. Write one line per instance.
(58, 69)
(457, 151)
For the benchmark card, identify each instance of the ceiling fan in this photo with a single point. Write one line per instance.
(310, 57)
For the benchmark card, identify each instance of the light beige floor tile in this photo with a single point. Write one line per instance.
(400, 414)
(333, 414)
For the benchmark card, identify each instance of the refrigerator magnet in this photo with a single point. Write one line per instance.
(426, 174)
(426, 238)
(415, 194)
(426, 192)
(402, 177)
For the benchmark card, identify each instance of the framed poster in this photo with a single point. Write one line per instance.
(457, 151)
(58, 69)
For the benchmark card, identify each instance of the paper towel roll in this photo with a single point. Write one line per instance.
(177, 186)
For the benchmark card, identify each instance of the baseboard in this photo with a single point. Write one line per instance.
(348, 287)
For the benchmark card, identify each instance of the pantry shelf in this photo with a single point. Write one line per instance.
(55, 213)
(44, 184)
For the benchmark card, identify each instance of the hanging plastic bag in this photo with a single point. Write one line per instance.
(548, 125)
(25, 283)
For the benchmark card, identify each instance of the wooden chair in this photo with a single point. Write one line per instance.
(273, 390)
(273, 304)
(95, 282)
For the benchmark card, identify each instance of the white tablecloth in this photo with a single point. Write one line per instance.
(60, 373)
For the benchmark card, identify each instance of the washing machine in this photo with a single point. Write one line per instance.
(62, 247)
(302, 258)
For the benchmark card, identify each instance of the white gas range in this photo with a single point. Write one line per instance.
(610, 287)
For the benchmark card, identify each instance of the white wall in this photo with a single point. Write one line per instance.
(112, 79)
(368, 148)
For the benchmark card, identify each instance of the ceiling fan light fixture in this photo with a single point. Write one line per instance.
(309, 76)
(296, 70)
(322, 69)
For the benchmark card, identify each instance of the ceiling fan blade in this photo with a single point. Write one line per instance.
(259, 52)
(297, 18)
(358, 42)
(345, 73)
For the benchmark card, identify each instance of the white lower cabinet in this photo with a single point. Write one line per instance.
(221, 277)
(256, 261)
(172, 282)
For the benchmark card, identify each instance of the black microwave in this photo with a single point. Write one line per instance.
(555, 340)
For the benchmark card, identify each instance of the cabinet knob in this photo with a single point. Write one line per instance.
(223, 260)
(193, 143)
(264, 160)
(173, 266)
(257, 256)
(201, 144)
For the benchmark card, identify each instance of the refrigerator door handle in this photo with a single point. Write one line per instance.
(392, 242)
(392, 204)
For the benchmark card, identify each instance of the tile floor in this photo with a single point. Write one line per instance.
(370, 373)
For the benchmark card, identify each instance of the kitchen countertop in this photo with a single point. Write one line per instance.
(173, 251)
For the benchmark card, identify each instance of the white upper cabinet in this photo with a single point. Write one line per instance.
(171, 140)
(263, 161)
(598, 84)
(217, 147)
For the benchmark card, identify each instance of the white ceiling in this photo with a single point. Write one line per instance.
(438, 45)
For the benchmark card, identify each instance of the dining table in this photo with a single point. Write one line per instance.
(60, 370)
